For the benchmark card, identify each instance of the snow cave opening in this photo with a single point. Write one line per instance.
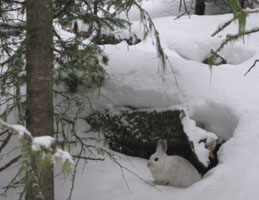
(216, 118)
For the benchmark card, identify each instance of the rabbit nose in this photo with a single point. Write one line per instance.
(148, 164)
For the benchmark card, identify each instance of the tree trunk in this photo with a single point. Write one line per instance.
(242, 3)
(39, 69)
(200, 7)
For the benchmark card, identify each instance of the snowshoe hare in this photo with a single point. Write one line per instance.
(171, 170)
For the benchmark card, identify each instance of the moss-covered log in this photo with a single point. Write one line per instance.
(135, 132)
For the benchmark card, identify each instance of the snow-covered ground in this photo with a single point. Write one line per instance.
(158, 8)
(222, 101)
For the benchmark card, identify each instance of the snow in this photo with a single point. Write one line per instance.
(158, 8)
(196, 135)
(42, 141)
(220, 102)
(63, 155)
(19, 129)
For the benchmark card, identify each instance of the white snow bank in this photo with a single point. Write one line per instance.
(164, 8)
(216, 118)
(197, 135)
(224, 102)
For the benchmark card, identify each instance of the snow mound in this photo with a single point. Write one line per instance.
(195, 48)
(164, 8)
(217, 118)
(198, 49)
(196, 135)
(236, 53)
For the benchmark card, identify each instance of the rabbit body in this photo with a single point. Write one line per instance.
(171, 170)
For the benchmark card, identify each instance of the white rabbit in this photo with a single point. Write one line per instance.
(171, 170)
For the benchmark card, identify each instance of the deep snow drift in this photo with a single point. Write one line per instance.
(222, 101)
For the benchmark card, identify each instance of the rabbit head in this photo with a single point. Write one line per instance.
(157, 161)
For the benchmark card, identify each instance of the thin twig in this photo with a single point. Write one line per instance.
(251, 67)
(223, 27)
(4, 132)
(12, 182)
(74, 175)
(10, 163)
(128, 170)
(87, 158)
(5, 142)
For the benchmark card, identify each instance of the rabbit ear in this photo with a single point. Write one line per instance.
(161, 146)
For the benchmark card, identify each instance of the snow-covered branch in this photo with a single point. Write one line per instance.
(19, 129)
(39, 143)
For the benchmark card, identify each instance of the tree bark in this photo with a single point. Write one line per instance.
(200, 7)
(242, 3)
(39, 70)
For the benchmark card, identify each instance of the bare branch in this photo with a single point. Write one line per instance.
(5, 142)
(87, 158)
(128, 170)
(74, 175)
(3, 133)
(223, 27)
(10, 163)
(251, 67)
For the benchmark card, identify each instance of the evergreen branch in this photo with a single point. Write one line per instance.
(160, 52)
(14, 1)
(12, 57)
(239, 14)
(20, 130)
(64, 10)
(151, 26)
(10, 163)
(222, 27)
(230, 38)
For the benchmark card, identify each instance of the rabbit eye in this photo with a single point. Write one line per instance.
(156, 159)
